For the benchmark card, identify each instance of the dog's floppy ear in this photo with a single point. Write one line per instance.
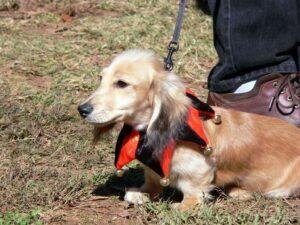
(169, 110)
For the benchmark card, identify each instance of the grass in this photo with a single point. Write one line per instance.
(221, 213)
(30, 218)
(50, 172)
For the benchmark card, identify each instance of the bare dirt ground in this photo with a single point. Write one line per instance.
(51, 55)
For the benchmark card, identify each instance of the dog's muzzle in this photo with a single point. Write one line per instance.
(85, 109)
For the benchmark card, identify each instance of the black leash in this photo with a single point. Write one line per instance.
(174, 45)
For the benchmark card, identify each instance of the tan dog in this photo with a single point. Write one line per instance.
(252, 153)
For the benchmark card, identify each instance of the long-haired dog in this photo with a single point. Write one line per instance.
(251, 153)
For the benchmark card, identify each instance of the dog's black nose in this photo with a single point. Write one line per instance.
(85, 109)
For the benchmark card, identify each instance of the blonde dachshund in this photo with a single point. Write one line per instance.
(251, 153)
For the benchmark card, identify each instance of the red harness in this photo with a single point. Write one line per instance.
(131, 143)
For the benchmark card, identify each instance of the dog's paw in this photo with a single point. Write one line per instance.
(187, 204)
(182, 207)
(136, 197)
(240, 194)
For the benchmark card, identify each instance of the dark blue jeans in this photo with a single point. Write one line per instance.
(253, 38)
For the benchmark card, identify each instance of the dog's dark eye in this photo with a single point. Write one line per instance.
(121, 84)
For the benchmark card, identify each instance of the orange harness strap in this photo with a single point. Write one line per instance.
(130, 144)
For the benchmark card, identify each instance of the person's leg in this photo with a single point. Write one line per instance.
(254, 39)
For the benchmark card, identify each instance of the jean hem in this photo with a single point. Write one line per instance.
(232, 84)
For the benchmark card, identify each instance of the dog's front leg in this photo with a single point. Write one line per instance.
(148, 191)
(195, 174)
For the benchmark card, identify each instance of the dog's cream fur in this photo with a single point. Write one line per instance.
(252, 153)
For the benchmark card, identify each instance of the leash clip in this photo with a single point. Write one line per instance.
(172, 47)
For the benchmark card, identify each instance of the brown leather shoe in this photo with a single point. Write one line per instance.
(275, 95)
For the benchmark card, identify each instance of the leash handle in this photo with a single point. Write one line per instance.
(174, 45)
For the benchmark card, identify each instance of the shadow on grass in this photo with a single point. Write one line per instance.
(115, 186)
(133, 177)
(203, 5)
